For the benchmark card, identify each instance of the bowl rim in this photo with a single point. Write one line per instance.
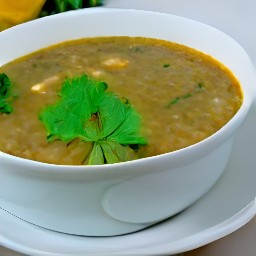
(206, 145)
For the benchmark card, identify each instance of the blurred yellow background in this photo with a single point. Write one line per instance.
(16, 12)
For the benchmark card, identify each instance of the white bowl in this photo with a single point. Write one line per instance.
(125, 197)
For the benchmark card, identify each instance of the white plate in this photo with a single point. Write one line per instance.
(227, 207)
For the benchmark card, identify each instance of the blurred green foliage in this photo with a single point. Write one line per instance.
(58, 6)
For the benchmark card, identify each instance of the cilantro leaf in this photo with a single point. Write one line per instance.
(66, 119)
(96, 156)
(6, 96)
(86, 110)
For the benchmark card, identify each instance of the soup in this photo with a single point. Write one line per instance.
(182, 95)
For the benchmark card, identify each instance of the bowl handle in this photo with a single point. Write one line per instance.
(157, 196)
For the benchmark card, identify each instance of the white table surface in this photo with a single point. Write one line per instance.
(237, 18)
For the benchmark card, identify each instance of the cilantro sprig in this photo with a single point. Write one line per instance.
(6, 96)
(86, 110)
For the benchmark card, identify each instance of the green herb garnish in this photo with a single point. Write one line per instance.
(86, 110)
(199, 87)
(6, 96)
(166, 65)
(176, 100)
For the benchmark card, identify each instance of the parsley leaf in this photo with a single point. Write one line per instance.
(86, 110)
(5, 94)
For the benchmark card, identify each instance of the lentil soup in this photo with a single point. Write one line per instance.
(182, 95)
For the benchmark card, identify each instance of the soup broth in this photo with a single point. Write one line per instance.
(183, 95)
